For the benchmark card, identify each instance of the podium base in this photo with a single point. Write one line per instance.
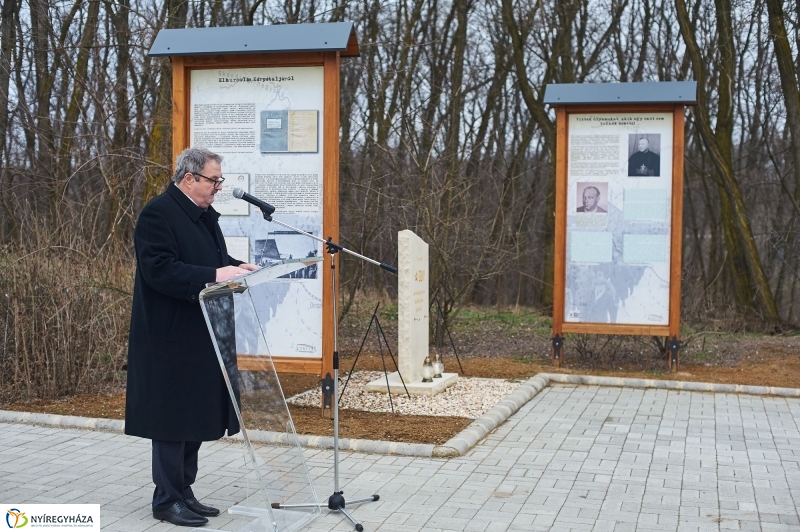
(290, 520)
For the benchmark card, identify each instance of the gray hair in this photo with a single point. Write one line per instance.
(192, 160)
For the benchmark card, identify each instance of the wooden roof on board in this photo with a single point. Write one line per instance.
(684, 92)
(285, 38)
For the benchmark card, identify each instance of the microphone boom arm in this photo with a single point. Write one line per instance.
(332, 246)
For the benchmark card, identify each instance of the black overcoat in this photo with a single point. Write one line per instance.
(175, 389)
(651, 162)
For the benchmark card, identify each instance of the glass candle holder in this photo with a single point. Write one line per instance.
(438, 366)
(427, 370)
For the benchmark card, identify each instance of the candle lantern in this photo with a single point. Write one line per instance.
(438, 366)
(427, 370)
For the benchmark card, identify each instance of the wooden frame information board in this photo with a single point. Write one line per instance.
(618, 230)
(274, 118)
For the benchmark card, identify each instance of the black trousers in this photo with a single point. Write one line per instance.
(174, 471)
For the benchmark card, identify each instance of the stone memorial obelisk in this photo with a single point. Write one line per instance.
(412, 305)
(412, 322)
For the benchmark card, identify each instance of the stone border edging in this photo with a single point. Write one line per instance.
(465, 440)
(56, 420)
(456, 446)
(261, 436)
(345, 444)
(671, 385)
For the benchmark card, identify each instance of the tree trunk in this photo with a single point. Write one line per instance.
(160, 145)
(9, 12)
(536, 108)
(42, 158)
(789, 81)
(79, 82)
(749, 279)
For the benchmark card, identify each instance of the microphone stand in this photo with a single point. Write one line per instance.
(336, 501)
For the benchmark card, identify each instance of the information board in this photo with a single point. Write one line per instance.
(267, 123)
(619, 210)
(618, 214)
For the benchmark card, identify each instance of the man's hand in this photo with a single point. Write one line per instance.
(229, 272)
(249, 267)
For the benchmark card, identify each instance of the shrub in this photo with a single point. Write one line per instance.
(64, 319)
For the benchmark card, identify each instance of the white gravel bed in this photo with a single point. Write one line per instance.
(468, 397)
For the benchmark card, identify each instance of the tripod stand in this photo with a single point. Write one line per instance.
(379, 331)
(336, 501)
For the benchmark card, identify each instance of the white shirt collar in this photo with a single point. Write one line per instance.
(187, 195)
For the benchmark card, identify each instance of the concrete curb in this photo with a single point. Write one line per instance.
(55, 420)
(345, 444)
(458, 445)
(261, 436)
(671, 385)
(465, 440)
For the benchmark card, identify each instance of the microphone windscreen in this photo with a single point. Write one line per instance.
(238, 193)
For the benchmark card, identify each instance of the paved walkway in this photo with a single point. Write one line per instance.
(573, 458)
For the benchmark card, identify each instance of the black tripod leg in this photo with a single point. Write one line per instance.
(386, 342)
(353, 367)
(438, 333)
(452, 343)
(386, 375)
(336, 502)
(356, 524)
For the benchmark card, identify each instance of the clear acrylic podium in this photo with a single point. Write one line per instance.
(273, 473)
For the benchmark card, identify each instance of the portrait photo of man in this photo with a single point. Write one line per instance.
(592, 198)
(644, 160)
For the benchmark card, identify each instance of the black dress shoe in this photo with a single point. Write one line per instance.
(179, 514)
(199, 508)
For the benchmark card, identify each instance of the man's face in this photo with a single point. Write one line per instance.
(644, 145)
(590, 196)
(600, 279)
(203, 191)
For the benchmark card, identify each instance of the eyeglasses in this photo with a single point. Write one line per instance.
(217, 182)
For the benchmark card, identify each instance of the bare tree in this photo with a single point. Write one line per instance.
(751, 287)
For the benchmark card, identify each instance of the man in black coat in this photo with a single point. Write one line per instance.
(176, 394)
(604, 306)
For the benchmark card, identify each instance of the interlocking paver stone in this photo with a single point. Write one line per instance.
(573, 458)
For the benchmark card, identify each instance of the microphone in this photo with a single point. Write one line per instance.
(265, 207)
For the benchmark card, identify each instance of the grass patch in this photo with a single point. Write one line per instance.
(701, 356)
(527, 320)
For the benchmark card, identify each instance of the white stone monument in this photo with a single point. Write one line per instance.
(412, 305)
(412, 321)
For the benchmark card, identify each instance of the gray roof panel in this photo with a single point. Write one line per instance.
(684, 92)
(322, 37)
